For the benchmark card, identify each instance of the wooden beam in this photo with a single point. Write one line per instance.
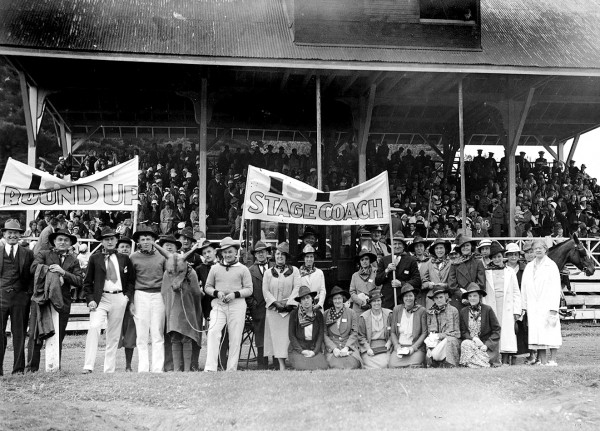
(319, 138)
(350, 83)
(202, 168)
(393, 82)
(29, 126)
(573, 148)
(328, 82)
(307, 78)
(551, 151)
(461, 137)
(433, 146)
(284, 80)
(366, 115)
(560, 149)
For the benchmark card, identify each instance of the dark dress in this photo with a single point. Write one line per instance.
(521, 327)
(469, 271)
(298, 343)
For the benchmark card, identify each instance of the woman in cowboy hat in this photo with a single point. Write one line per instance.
(374, 334)
(504, 298)
(480, 331)
(408, 327)
(278, 285)
(362, 282)
(312, 276)
(466, 270)
(435, 272)
(341, 333)
(306, 333)
(444, 327)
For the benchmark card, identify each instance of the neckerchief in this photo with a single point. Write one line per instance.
(61, 253)
(412, 309)
(333, 315)
(475, 311)
(107, 253)
(286, 273)
(493, 266)
(304, 319)
(435, 309)
(305, 270)
(463, 259)
(148, 252)
(422, 259)
(365, 273)
(440, 263)
(228, 266)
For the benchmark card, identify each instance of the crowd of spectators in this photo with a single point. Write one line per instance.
(552, 199)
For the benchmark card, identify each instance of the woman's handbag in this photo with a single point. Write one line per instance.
(438, 353)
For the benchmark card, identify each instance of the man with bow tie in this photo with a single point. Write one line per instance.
(16, 285)
(256, 302)
(59, 260)
(109, 287)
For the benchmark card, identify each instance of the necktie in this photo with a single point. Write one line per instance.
(12, 252)
(111, 271)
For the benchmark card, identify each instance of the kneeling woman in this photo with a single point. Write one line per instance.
(408, 328)
(443, 324)
(479, 330)
(374, 333)
(341, 333)
(306, 331)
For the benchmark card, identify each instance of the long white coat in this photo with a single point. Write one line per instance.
(540, 294)
(512, 305)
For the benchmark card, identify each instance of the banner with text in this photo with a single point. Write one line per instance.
(27, 188)
(272, 196)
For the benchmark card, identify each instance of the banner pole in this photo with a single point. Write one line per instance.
(241, 234)
(393, 260)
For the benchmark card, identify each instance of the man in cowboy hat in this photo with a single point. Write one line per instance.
(16, 285)
(228, 283)
(378, 246)
(187, 240)
(309, 237)
(109, 287)
(148, 305)
(395, 270)
(256, 302)
(66, 274)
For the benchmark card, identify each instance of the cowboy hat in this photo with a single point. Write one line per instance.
(144, 231)
(187, 232)
(303, 291)
(439, 241)
(462, 240)
(207, 243)
(407, 287)
(309, 231)
(484, 243)
(63, 232)
(439, 289)
(169, 238)
(308, 249)
(338, 291)
(473, 287)
(512, 248)
(365, 252)
(229, 242)
(496, 248)
(375, 294)
(108, 232)
(12, 224)
(417, 240)
(124, 240)
(260, 246)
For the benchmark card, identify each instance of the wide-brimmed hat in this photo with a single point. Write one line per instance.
(309, 231)
(124, 240)
(484, 243)
(207, 243)
(366, 252)
(512, 248)
(308, 249)
(188, 233)
(169, 238)
(407, 287)
(144, 231)
(63, 232)
(284, 248)
(107, 232)
(12, 224)
(229, 242)
(417, 240)
(260, 246)
(337, 290)
(375, 294)
(462, 240)
(496, 248)
(527, 245)
(375, 228)
(303, 291)
(439, 241)
(439, 289)
(473, 287)
(401, 239)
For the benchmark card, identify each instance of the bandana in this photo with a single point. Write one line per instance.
(286, 269)
(462, 259)
(228, 266)
(493, 266)
(412, 309)
(435, 309)
(61, 253)
(365, 273)
(333, 315)
(148, 252)
(304, 319)
(440, 263)
(305, 270)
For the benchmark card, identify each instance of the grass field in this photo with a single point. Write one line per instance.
(518, 397)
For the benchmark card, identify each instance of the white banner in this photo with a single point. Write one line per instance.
(27, 188)
(272, 196)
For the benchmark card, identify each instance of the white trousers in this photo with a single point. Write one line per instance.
(110, 311)
(150, 320)
(234, 315)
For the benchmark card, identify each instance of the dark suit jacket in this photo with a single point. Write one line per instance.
(490, 328)
(256, 302)
(93, 284)
(25, 259)
(73, 276)
(407, 271)
(461, 275)
(298, 342)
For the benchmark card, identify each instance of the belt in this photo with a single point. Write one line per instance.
(112, 291)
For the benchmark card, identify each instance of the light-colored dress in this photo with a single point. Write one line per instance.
(472, 356)
(374, 332)
(540, 294)
(359, 285)
(316, 282)
(339, 334)
(278, 288)
(504, 296)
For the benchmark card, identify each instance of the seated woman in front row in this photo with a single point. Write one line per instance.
(374, 333)
(408, 327)
(306, 330)
(479, 330)
(443, 324)
(341, 333)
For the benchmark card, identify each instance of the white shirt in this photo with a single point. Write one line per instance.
(110, 286)
(9, 250)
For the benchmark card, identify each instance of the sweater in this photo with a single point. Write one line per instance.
(235, 278)
(149, 270)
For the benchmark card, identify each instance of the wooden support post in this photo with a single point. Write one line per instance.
(365, 115)
(31, 131)
(573, 148)
(461, 137)
(319, 137)
(560, 149)
(202, 168)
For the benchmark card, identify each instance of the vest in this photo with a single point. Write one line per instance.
(9, 276)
